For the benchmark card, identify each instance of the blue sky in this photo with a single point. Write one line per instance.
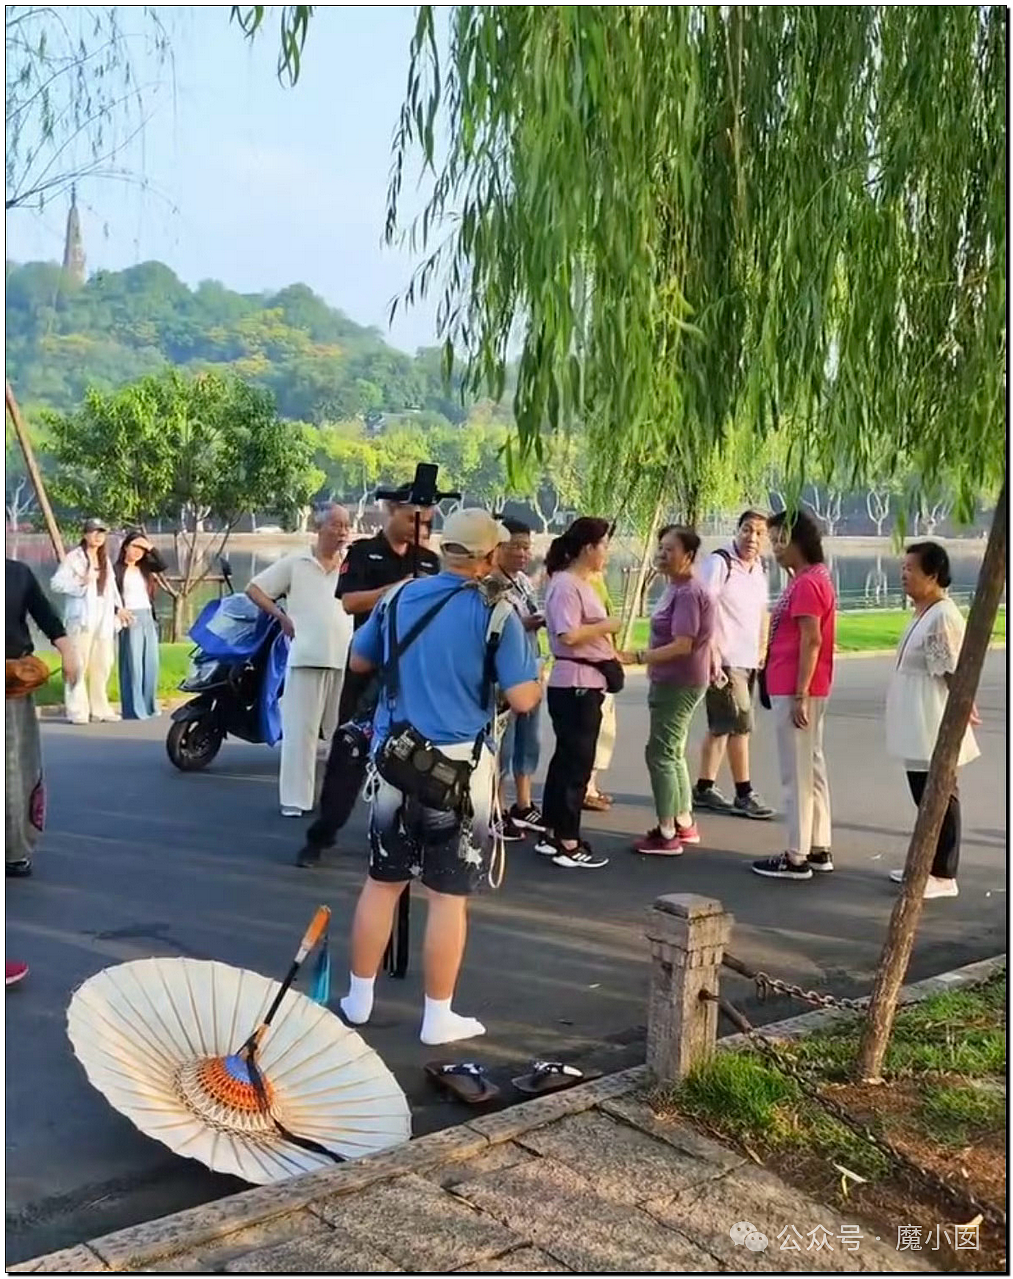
(255, 184)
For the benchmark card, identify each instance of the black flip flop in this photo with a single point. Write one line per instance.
(549, 1076)
(464, 1080)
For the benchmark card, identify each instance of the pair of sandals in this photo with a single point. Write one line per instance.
(599, 802)
(466, 1080)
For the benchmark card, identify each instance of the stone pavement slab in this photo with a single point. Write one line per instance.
(633, 1110)
(422, 1227)
(522, 1261)
(560, 1212)
(327, 1252)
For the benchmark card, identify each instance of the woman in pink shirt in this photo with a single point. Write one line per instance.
(580, 636)
(799, 672)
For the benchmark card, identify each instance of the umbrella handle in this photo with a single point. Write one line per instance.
(316, 930)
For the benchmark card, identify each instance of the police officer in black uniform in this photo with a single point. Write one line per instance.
(371, 567)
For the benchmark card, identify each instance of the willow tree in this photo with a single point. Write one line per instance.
(693, 216)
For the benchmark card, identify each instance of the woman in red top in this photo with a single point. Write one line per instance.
(799, 672)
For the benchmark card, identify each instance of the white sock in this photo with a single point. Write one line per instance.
(358, 1003)
(667, 830)
(440, 1025)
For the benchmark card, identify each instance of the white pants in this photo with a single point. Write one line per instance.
(309, 712)
(606, 734)
(803, 776)
(89, 695)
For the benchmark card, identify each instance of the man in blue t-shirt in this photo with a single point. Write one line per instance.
(441, 693)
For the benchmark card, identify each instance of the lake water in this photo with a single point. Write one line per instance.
(863, 580)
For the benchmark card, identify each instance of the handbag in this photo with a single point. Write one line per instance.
(25, 674)
(610, 667)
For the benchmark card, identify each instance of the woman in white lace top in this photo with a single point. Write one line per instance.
(926, 659)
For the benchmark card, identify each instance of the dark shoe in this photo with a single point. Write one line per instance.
(712, 799)
(821, 860)
(655, 844)
(782, 867)
(19, 870)
(579, 858)
(508, 831)
(527, 818)
(752, 805)
(309, 856)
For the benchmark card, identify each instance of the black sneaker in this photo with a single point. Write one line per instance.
(782, 867)
(527, 818)
(579, 858)
(508, 831)
(20, 869)
(821, 860)
(752, 805)
(712, 799)
(309, 856)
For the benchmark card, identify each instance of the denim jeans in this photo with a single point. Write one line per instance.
(139, 666)
(519, 750)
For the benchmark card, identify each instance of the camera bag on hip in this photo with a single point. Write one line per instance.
(407, 760)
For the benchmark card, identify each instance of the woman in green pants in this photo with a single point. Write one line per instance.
(678, 665)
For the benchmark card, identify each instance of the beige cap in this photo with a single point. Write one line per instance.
(474, 531)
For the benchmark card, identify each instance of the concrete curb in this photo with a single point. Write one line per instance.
(144, 1246)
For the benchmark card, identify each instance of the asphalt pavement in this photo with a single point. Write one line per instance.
(141, 860)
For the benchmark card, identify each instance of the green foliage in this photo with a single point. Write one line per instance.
(711, 217)
(120, 325)
(182, 448)
(954, 1114)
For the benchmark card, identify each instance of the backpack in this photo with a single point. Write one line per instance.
(721, 553)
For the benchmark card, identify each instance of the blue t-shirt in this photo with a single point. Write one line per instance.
(440, 676)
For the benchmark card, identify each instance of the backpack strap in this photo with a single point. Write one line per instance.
(721, 553)
(398, 647)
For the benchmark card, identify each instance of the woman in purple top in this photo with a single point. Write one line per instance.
(580, 635)
(678, 665)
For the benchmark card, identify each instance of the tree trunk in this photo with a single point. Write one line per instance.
(646, 560)
(942, 775)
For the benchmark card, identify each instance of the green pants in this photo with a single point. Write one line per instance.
(671, 707)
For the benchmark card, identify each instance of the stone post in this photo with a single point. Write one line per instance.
(688, 935)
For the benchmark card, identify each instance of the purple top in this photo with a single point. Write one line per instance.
(685, 609)
(571, 602)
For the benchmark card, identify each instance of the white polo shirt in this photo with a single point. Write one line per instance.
(741, 598)
(323, 630)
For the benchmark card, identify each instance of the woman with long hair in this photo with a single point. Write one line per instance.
(580, 638)
(678, 662)
(137, 567)
(92, 613)
(919, 686)
(798, 675)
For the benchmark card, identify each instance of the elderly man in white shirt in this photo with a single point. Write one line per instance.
(736, 579)
(320, 630)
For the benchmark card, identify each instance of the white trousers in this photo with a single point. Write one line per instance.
(309, 713)
(804, 780)
(606, 734)
(89, 695)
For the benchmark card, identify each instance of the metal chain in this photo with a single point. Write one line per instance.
(937, 1182)
(766, 985)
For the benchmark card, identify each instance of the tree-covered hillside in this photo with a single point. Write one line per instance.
(320, 365)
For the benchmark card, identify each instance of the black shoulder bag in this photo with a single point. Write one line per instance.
(407, 760)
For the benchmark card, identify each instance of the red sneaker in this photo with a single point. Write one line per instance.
(15, 971)
(688, 834)
(656, 843)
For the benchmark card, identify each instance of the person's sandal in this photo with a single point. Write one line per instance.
(549, 1076)
(464, 1080)
(597, 803)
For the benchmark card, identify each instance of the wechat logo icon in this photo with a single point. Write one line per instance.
(745, 1234)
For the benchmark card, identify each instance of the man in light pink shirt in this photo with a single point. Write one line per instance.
(737, 581)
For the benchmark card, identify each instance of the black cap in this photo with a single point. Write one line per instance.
(94, 525)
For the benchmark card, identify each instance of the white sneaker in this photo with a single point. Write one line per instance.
(291, 812)
(546, 847)
(933, 887)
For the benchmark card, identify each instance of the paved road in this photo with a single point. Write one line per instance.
(142, 860)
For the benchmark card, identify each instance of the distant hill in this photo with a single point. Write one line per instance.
(62, 337)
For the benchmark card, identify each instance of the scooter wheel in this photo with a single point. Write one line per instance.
(192, 744)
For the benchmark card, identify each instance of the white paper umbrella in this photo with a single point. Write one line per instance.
(161, 1040)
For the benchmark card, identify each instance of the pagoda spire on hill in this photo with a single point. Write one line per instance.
(73, 247)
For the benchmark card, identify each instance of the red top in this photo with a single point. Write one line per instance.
(809, 594)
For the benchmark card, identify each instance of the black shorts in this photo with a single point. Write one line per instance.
(448, 853)
(730, 709)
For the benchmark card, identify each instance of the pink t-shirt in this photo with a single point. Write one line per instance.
(571, 602)
(809, 594)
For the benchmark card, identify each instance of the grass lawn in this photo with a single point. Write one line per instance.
(943, 1105)
(175, 662)
(859, 632)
